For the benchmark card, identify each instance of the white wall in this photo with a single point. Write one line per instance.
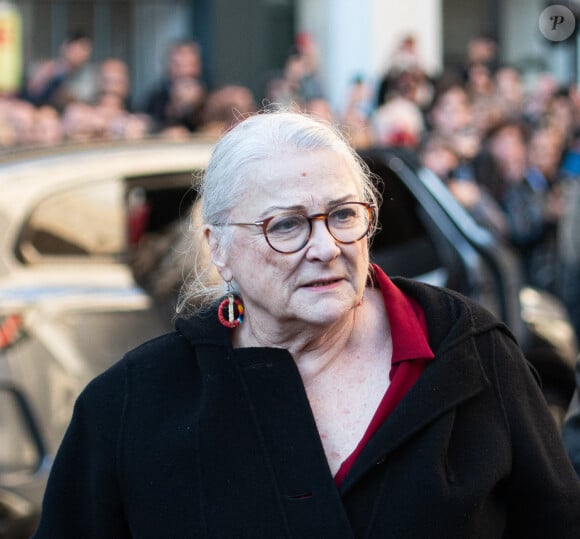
(357, 37)
(520, 35)
(391, 20)
(522, 42)
(156, 26)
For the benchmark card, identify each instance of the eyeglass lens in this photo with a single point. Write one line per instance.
(290, 232)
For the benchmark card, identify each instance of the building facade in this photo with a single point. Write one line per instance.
(245, 41)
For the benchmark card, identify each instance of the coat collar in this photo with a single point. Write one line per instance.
(283, 418)
(455, 375)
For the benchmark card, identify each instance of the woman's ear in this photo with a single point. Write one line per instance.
(217, 254)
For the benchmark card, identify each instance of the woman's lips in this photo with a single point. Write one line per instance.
(324, 283)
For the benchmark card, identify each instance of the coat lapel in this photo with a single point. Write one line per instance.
(451, 378)
(270, 435)
(285, 424)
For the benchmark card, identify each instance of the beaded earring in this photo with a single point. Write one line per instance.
(235, 310)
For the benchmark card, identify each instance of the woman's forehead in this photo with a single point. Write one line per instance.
(318, 164)
(305, 176)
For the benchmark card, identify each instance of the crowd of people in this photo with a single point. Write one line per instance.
(73, 98)
(312, 395)
(508, 150)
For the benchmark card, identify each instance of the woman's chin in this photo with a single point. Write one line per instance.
(327, 311)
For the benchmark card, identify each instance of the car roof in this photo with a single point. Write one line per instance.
(20, 170)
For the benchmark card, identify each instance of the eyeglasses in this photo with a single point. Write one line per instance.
(289, 232)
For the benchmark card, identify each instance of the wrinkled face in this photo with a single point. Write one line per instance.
(324, 280)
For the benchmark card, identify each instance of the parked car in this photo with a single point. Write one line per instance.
(90, 264)
(23, 466)
(69, 301)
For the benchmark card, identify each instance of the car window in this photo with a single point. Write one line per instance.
(85, 221)
(159, 209)
(159, 201)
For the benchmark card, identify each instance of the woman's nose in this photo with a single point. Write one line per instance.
(321, 244)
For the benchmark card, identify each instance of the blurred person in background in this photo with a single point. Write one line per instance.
(398, 122)
(441, 158)
(486, 107)
(438, 156)
(525, 201)
(545, 150)
(176, 101)
(113, 80)
(82, 123)
(574, 95)
(406, 75)
(299, 82)
(541, 90)
(111, 109)
(355, 116)
(19, 117)
(133, 127)
(481, 49)
(48, 129)
(309, 84)
(319, 108)
(510, 92)
(452, 118)
(225, 107)
(113, 101)
(480, 82)
(113, 104)
(8, 137)
(69, 78)
(450, 111)
(560, 115)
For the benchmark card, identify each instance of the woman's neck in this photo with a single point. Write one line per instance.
(317, 349)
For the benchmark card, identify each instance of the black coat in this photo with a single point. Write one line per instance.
(188, 438)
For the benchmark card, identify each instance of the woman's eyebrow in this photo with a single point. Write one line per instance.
(277, 209)
(351, 197)
(301, 208)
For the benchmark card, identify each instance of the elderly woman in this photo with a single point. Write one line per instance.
(317, 398)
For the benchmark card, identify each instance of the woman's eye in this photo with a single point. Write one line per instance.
(285, 225)
(344, 214)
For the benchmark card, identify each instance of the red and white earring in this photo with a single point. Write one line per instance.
(235, 310)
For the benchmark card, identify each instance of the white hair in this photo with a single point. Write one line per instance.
(397, 115)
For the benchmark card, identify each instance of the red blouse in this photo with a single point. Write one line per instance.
(411, 352)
